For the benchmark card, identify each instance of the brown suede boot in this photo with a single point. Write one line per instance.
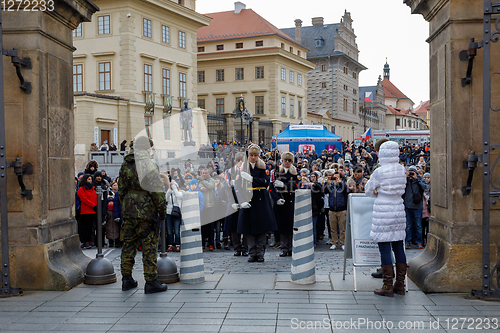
(387, 276)
(399, 284)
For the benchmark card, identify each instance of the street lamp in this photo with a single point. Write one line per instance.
(352, 133)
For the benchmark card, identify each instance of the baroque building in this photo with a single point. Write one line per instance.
(333, 83)
(134, 66)
(240, 54)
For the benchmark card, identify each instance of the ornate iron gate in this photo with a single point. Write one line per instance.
(491, 189)
(216, 127)
(265, 132)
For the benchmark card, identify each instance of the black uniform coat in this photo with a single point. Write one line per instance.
(285, 213)
(259, 219)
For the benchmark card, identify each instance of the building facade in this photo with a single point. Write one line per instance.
(333, 84)
(423, 112)
(133, 68)
(241, 55)
(385, 107)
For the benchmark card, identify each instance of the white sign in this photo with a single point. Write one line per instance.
(115, 136)
(312, 127)
(304, 148)
(283, 148)
(96, 135)
(364, 249)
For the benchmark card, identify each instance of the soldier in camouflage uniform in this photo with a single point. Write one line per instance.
(141, 193)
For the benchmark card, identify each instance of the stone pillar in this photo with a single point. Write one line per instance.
(255, 130)
(45, 249)
(231, 135)
(452, 259)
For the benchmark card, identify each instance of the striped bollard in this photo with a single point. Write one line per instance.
(303, 267)
(192, 268)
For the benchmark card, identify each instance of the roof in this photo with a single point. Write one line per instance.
(391, 91)
(423, 108)
(309, 34)
(116, 98)
(228, 25)
(401, 112)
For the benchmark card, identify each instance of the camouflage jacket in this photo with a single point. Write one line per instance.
(140, 188)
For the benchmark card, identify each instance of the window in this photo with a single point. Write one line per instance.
(165, 34)
(77, 78)
(346, 71)
(292, 107)
(201, 76)
(300, 109)
(283, 106)
(239, 45)
(220, 47)
(105, 76)
(259, 43)
(405, 123)
(292, 77)
(239, 74)
(299, 79)
(323, 84)
(291, 49)
(148, 121)
(298, 53)
(397, 122)
(146, 32)
(259, 104)
(148, 77)
(354, 107)
(78, 31)
(201, 103)
(201, 48)
(182, 39)
(345, 103)
(166, 81)
(354, 75)
(182, 85)
(283, 46)
(219, 75)
(166, 128)
(283, 74)
(354, 91)
(323, 68)
(103, 25)
(259, 72)
(219, 106)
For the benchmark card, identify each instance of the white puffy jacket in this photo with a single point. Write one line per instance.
(389, 181)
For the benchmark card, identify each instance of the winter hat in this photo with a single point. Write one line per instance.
(412, 168)
(317, 174)
(193, 181)
(427, 175)
(97, 174)
(305, 170)
(79, 174)
(389, 153)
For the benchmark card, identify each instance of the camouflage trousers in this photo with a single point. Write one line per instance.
(133, 231)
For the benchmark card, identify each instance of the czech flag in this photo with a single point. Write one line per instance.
(368, 97)
(367, 135)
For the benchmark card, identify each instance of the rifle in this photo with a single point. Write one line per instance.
(231, 172)
(277, 171)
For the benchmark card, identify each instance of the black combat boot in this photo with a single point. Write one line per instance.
(128, 282)
(155, 286)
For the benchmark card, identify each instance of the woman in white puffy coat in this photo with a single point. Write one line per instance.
(387, 184)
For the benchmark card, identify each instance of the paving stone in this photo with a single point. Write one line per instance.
(250, 281)
(137, 328)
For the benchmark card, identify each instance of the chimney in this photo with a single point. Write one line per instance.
(298, 30)
(239, 6)
(317, 21)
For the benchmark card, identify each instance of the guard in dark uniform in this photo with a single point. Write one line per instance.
(256, 216)
(283, 194)
(231, 220)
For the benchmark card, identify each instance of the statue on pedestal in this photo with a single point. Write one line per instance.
(186, 119)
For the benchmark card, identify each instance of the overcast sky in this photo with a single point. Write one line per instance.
(384, 28)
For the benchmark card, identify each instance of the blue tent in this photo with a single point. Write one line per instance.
(306, 137)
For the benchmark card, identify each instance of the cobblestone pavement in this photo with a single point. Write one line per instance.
(242, 297)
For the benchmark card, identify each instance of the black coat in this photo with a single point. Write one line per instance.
(285, 213)
(258, 219)
(317, 200)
